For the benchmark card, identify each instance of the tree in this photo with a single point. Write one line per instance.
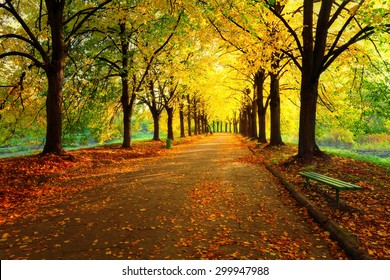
(47, 48)
(136, 39)
(260, 42)
(329, 28)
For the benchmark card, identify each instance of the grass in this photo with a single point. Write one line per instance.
(385, 162)
(23, 149)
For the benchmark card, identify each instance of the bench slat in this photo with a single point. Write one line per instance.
(335, 183)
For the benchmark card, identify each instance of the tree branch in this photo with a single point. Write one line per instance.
(89, 12)
(289, 28)
(361, 35)
(223, 37)
(155, 53)
(34, 41)
(22, 54)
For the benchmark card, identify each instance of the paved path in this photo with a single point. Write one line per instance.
(199, 201)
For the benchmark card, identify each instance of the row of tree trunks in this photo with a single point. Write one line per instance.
(229, 126)
(255, 113)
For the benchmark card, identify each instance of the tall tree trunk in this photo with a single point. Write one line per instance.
(253, 128)
(307, 147)
(244, 123)
(249, 121)
(181, 116)
(54, 111)
(126, 101)
(127, 112)
(261, 108)
(195, 117)
(276, 137)
(156, 126)
(199, 123)
(127, 107)
(126, 125)
(189, 115)
(204, 122)
(55, 75)
(170, 122)
(312, 59)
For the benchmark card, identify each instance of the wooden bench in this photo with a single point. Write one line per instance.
(338, 185)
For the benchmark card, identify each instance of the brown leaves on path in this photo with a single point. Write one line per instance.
(226, 224)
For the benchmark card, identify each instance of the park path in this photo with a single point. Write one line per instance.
(200, 201)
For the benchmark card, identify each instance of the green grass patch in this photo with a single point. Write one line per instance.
(385, 162)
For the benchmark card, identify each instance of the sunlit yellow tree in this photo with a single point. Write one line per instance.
(322, 31)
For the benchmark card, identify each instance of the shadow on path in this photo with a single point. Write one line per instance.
(201, 201)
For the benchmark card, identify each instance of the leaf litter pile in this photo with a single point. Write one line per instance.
(30, 182)
(365, 213)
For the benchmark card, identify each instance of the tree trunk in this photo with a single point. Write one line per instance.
(199, 123)
(126, 125)
(156, 126)
(189, 115)
(307, 147)
(312, 59)
(261, 108)
(181, 116)
(276, 137)
(55, 75)
(253, 127)
(53, 143)
(127, 102)
(195, 118)
(249, 121)
(170, 122)
(204, 122)
(127, 112)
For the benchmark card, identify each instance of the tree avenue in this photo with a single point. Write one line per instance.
(108, 69)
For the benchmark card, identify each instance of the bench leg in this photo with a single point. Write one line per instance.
(338, 199)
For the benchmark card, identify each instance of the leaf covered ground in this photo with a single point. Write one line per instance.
(364, 213)
(30, 182)
(199, 201)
